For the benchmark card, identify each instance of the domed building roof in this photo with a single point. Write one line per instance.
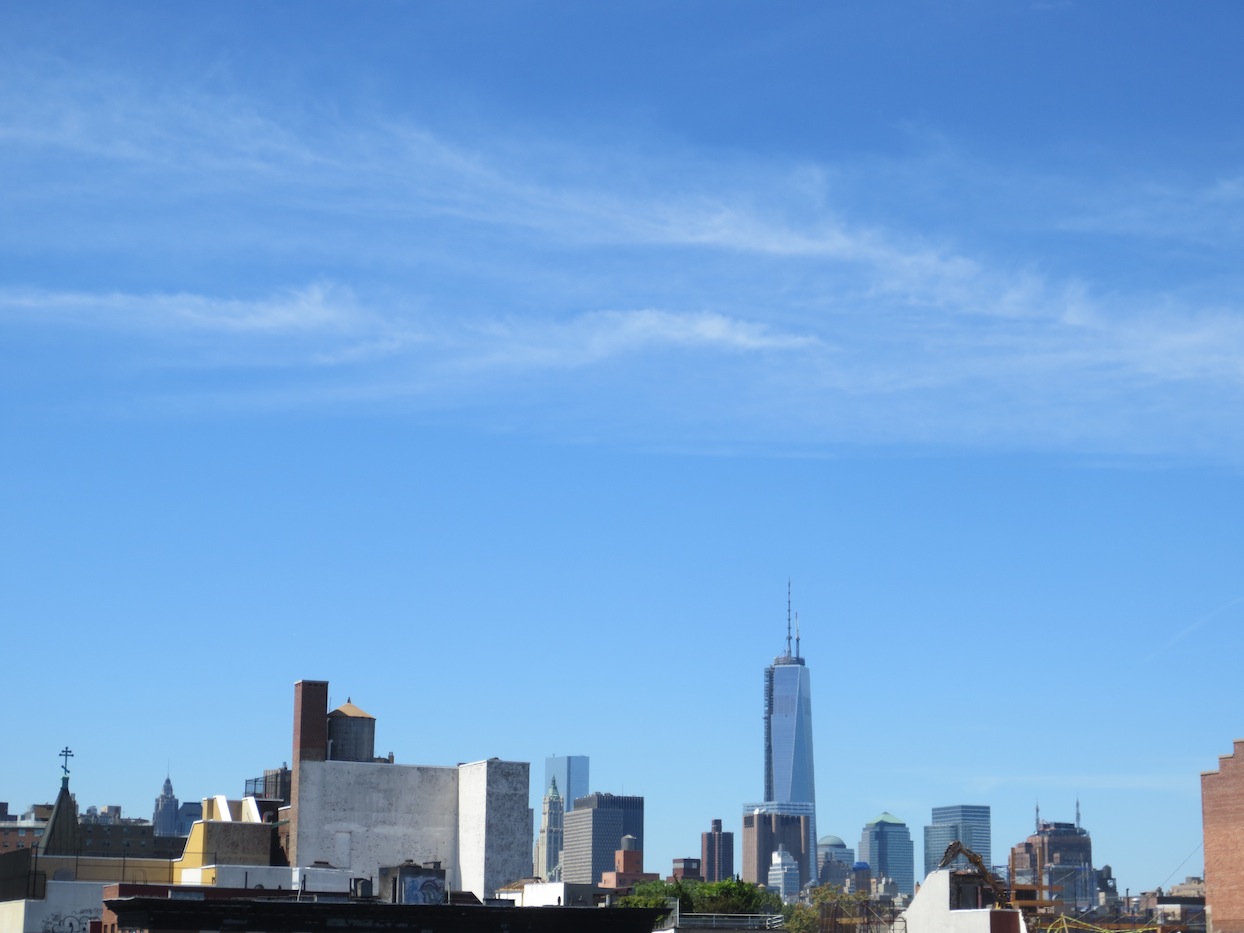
(830, 841)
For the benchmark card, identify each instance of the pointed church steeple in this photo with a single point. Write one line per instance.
(60, 836)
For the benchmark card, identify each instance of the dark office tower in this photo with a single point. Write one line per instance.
(717, 853)
(1059, 858)
(789, 774)
(571, 774)
(593, 831)
(886, 846)
(964, 823)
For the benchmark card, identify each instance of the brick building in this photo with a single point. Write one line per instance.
(1222, 819)
(717, 853)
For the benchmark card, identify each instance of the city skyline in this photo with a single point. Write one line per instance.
(976, 818)
(500, 364)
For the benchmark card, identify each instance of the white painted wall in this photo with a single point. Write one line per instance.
(474, 819)
(373, 814)
(68, 908)
(930, 910)
(494, 825)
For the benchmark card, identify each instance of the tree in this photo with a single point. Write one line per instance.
(733, 896)
(806, 917)
(659, 894)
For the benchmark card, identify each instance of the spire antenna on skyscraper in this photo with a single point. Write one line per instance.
(796, 634)
(788, 617)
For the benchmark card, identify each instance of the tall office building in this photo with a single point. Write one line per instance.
(717, 853)
(593, 831)
(164, 818)
(766, 826)
(1059, 858)
(789, 774)
(966, 823)
(571, 774)
(886, 846)
(548, 861)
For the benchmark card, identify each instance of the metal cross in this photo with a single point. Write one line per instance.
(66, 754)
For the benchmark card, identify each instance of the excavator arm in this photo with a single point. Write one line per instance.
(1002, 897)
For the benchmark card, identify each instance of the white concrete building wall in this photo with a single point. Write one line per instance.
(359, 816)
(494, 825)
(69, 907)
(930, 910)
(543, 894)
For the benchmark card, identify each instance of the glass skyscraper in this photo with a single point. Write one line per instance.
(570, 772)
(886, 846)
(966, 823)
(789, 774)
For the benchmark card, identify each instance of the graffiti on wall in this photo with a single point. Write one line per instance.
(77, 922)
(423, 889)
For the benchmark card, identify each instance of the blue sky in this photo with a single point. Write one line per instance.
(500, 363)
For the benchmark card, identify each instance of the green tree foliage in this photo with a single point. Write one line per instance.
(717, 897)
(805, 918)
(733, 896)
(659, 894)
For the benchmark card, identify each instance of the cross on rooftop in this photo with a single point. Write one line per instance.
(66, 754)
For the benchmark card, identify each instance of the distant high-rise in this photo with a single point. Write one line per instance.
(1059, 858)
(886, 846)
(966, 823)
(766, 826)
(548, 860)
(717, 853)
(593, 831)
(833, 861)
(783, 878)
(571, 773)
(164, 818)
(789, 774)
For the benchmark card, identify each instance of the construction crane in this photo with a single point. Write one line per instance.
(1002, 897)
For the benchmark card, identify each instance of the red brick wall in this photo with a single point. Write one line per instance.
(1222, 817)
(310, 720)
(310, 744)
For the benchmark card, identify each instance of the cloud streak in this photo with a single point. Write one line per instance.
(491, 264)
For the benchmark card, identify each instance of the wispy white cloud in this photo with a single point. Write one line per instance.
(598, 336)
(315, 308)
(492, 261)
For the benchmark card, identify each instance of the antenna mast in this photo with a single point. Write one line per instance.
(788, 617)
